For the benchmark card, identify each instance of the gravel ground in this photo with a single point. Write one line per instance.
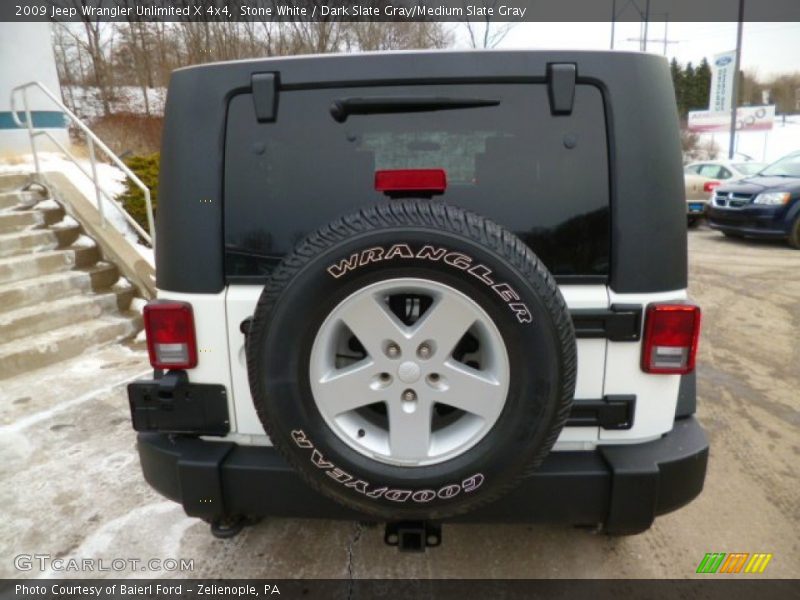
(71, 485)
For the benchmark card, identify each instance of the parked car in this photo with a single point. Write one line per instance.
(766, 205)
(698, 190)
(702, 177)
(384, 295)
(724, 170)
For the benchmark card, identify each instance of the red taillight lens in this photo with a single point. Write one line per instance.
(170, 335)
(411, 180)
(671, 332)
(709, 186)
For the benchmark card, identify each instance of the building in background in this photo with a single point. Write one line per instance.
(26, 54)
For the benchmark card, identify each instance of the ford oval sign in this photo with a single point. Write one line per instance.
(723, 60)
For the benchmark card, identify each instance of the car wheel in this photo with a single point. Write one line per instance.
(794, 234)
(412, 360)
(733, 235)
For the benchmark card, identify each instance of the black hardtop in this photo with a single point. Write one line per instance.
(648, 231)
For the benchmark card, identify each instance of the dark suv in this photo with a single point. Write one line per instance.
(420, 287)
(766, 205)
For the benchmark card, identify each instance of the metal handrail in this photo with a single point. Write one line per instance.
(93, 141)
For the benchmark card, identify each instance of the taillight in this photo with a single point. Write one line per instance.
(170, 334)
(709, 186)
(671, 332)
(392, 181)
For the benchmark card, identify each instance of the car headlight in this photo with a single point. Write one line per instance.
(772, 198)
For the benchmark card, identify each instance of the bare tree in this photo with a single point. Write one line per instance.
(483, 32)
(94, 39)
(407, 35)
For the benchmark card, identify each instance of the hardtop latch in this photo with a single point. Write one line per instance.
(265, 96)
(561, 87)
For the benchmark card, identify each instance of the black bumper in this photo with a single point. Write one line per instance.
(621, 487)
(766, 222)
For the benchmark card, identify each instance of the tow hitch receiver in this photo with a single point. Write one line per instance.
(413, 536)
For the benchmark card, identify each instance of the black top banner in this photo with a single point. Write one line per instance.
(396, 10)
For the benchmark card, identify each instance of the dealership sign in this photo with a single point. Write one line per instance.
(748, 118)
(722, 76)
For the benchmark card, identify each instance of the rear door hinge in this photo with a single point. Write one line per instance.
(612, 412)
(620, 323)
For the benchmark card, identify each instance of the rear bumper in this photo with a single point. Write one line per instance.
(621, 487)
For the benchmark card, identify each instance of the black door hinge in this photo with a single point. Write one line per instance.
(620, 323)
(612, 412)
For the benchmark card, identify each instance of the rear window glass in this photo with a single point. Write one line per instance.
(543, 177)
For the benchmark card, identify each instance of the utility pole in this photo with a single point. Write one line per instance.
(735, 88)
(613, 20)
(665, 40)
(644, 15)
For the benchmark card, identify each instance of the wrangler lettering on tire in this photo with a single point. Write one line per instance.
(412, 360)
(454, 259)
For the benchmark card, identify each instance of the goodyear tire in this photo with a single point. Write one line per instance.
(412, 360)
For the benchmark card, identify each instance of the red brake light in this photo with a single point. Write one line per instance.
(170, 335)
(671, 332)
(709, 186)
(411, 180)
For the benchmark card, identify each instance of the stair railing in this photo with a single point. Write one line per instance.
(93, 142)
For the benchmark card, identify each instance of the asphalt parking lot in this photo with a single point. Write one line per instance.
(72, 485)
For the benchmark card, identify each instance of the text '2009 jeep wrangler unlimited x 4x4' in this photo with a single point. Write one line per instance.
(422, 287)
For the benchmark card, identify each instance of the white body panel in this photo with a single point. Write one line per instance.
(656, 395)
(242, 301)
(603, 367)
(211, 332)
(591, 364)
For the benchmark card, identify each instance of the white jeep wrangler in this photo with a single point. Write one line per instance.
(423, 287)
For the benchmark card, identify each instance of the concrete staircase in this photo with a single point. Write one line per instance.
(58, 297)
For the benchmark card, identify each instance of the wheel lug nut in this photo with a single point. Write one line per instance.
(424, 351)
(392, 350)
(409, 396)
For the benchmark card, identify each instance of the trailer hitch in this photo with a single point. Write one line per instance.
(413, 536)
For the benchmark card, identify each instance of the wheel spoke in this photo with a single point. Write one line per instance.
(349, 388)
(372, 323)
(445, 322)
(471, 390)
(410, 432)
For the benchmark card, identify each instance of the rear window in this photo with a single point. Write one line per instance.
(543, 177)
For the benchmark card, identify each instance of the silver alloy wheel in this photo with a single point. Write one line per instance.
(409, 389)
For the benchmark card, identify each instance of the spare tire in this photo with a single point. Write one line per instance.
(412, 360)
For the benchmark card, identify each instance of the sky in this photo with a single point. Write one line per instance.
(767, 48)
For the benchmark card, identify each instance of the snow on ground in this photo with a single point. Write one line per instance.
(766, 146)
(86, 102)
(111, 179)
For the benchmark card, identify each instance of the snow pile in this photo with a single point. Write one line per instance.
(111, 179)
